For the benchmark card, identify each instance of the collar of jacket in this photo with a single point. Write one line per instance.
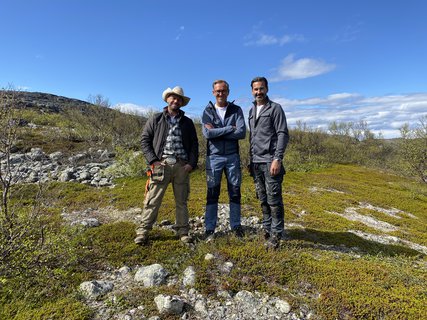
(212, 105)
(266, 103)
(166, 113)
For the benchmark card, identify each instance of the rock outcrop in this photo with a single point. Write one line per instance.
(36, 166)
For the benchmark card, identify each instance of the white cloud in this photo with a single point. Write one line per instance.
(291, 69)
(385, 114)
(180, 31)
(134, 109)
(259, 39)
(23, 88)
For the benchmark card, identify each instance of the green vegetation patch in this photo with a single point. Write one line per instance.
(58, 310)
(321, 264)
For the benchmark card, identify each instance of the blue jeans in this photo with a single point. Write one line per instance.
(269, 192)
(215, 165)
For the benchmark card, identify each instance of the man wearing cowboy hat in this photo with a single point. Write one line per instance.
(170, 145)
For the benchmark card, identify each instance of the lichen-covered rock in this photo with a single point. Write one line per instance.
(153, 275)
(169, 304)
(189, 277)
(93, 289)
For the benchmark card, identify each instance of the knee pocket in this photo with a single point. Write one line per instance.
(213, 194)
(234, 193)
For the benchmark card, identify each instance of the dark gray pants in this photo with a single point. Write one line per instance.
(269, 192)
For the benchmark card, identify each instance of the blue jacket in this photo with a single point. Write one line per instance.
(223, 138)
(269, 134)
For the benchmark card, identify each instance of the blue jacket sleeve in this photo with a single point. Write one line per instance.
(240, 132)
(215, 132)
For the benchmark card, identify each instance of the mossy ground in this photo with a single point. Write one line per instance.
(336, 273)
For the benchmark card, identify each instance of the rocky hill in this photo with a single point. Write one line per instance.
(45, 102)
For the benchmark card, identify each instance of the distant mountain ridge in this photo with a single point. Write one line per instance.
(45, 102)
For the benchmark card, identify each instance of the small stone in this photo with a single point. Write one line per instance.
(209, 256)
(283, 306)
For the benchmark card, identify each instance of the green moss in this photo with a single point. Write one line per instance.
(62, 309)
(338, 274)
(112, 245)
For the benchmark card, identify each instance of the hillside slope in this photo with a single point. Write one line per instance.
(355, 248)
(56, 123)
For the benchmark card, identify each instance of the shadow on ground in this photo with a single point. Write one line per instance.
(346, 242)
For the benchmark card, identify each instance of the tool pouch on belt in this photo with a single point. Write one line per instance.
(154, 173)
(157, 173)
(148, 173)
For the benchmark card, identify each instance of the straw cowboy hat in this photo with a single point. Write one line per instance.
(177, 91)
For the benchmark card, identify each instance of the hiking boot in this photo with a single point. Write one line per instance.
(272, 243)
(141, 239)
(266, 235)
(185, 238)
(238, 232)
(209, 235)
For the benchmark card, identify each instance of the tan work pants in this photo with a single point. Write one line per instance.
(160, 178)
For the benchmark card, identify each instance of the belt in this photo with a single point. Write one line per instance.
(171, 160)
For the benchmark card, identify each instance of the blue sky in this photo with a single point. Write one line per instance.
(326, 60)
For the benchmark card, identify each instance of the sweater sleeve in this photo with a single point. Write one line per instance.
(281, 127)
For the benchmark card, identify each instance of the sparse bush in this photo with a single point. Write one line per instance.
(126, 131)
(99, 100)
(413, 149)
(128, 164)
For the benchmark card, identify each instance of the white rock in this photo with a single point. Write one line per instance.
(227, 266)
(153, 275)
(189, 277)
(93, 289)
(124, 271)
(209, 256)
(169, 304)
(283, 306)
(200, 307)
(90, 222)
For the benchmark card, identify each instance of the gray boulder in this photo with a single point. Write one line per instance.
(93, 289)
(169, 304)
(150, 276)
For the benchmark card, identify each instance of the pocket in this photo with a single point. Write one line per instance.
(158, 173)
(210, 178)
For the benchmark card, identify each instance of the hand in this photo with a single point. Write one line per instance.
(275, 167)
(158, 163)
(187, 168)
(209, 126)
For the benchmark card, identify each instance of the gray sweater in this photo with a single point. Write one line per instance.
(269, 133)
